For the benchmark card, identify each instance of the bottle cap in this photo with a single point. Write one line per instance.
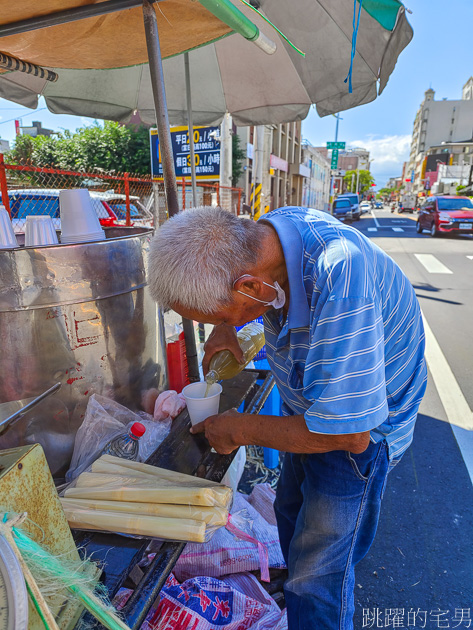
(137, 429)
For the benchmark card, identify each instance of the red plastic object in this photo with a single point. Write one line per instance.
(177, 364)
(137, 429)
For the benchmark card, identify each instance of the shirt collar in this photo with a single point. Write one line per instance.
(298, 315)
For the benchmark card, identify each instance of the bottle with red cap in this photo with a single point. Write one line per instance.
(126, 445)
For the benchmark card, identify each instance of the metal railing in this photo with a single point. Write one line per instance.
(118, 198)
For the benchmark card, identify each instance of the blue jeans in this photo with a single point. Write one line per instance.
(327, 509)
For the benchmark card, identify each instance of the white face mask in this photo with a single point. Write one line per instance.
(278, 301)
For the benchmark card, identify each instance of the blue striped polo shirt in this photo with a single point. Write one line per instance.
(350, 354)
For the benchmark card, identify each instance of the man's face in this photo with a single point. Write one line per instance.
(241, 311)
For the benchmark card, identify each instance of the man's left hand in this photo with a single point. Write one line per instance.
(221, 431)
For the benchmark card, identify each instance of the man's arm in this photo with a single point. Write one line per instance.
(231, 429)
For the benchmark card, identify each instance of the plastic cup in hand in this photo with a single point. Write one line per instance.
(79, 221)
(7, 234)
(40, 231)
(200, 406)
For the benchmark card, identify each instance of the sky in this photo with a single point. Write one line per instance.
(439, 56)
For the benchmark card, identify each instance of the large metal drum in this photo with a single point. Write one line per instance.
(80, 314)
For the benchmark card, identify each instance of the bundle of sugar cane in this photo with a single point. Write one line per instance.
(137, 524)
(132, 498)
(105, 462)
(138, 493)
(214, 516)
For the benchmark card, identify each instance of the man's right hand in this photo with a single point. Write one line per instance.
(222, 337)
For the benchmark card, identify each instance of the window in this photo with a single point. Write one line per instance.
(455, 204)
(120, 210)
(23, 207)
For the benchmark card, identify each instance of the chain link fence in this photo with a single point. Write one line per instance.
(118, 199)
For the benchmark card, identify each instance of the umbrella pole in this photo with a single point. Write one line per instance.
(167, 158)
(191, 127)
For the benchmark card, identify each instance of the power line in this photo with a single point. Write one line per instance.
(23, 116)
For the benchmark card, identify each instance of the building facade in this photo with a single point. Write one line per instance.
(283, 172)
(437, 122)
(316, 185)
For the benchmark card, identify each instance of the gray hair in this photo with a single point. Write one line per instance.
(197, 255)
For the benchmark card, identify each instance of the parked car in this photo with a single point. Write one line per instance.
(446, 215)
(139, 215)
(365, 206)
(342, 209)
(354, 203)
(32, 201)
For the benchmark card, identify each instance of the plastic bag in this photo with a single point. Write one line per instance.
(210, 604)
(235, 470)
(104, 420)
(140, 500)
(168, 404)
(225, 553)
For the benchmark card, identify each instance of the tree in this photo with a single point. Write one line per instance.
(111, 148)
(238, 157)
(364, 184)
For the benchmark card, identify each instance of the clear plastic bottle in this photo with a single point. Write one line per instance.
(224, 365)
(126, 445)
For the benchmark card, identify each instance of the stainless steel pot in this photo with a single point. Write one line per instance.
(80, 314)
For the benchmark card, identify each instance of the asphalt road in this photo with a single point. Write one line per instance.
(421, 562)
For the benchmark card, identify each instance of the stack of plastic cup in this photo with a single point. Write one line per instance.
(40, 231)
(200, 406)
(79, 221)
(7, 235)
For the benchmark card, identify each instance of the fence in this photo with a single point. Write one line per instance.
(120, 198)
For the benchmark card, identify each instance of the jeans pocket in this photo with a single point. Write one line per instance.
(355, 467)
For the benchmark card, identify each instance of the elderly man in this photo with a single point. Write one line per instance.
(345, 343)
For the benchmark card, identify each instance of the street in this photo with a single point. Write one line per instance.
(421, 562)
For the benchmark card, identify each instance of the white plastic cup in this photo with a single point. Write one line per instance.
(39, 231)
(79, 221)
(200, 408)
(7, 234)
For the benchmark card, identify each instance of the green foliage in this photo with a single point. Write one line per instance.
(385, 192)
(238, 157)
(111, 148)
(364, 184)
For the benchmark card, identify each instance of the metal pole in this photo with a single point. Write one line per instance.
(159, 96)
(357, 179)
(191, 127)
(337, 116)
(167, 159)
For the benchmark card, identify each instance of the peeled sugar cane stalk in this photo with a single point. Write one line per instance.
(213, 516)
(222, 494)
(144, 494)
(93, 479)
(157, 527)
(105, 468)
(161, 473)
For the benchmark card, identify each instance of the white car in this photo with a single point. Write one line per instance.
(365, 206)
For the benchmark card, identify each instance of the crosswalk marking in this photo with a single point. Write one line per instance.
(432, 264)
(396, 229)
(376, 222)
(372, 229)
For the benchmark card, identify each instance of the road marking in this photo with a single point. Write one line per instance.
(470, 257)
(398, 229)
(376, 229)
(432, 264)
(375, 219)
(456, 407)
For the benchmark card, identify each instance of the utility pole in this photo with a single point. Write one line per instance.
(225, 156)
(338, 117)
(257, 183)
